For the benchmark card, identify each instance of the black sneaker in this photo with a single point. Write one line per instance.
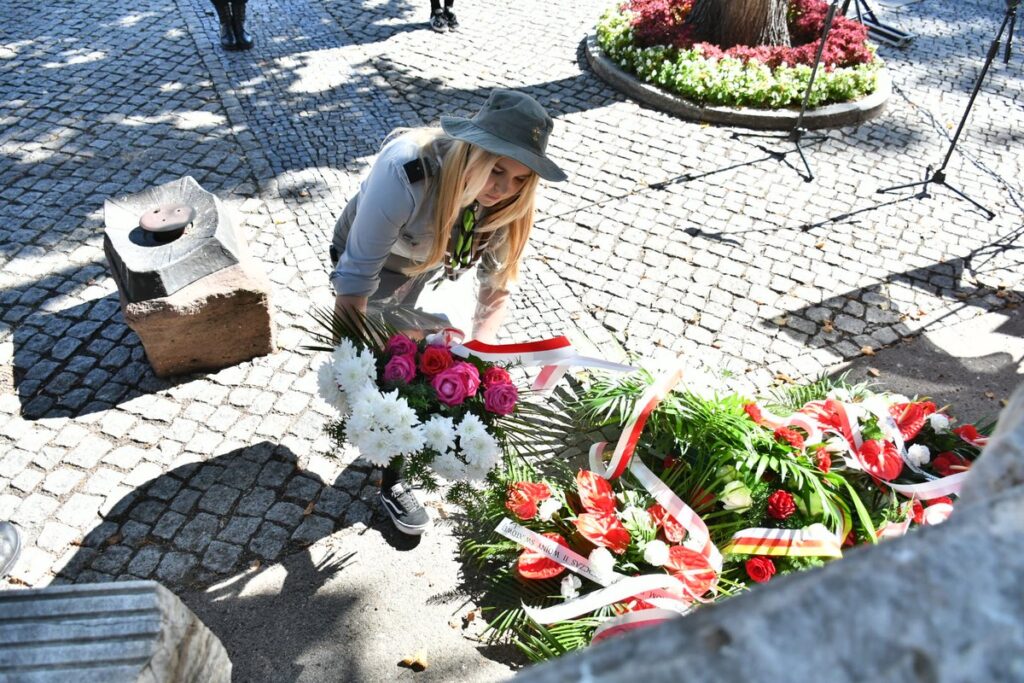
(405, 511)
(437, 22)
(453, 23)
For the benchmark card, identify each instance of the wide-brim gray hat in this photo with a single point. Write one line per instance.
(510, 124)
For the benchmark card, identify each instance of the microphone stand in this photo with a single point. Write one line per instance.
(797, 133)
(939, 176)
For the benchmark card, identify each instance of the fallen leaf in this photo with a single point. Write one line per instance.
(468, 619)
(116, 538)
(309, 509)
(874, 372)
(1004, 402)
(303, 193)
(826, 326)
(783, 377)
(819, 245)
(15, 581)
(417, 662)
(256, 564)
(867, 350)
(781, 321)
(989, 394)
(1002, 294)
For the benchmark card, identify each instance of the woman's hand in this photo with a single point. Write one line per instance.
(490, 313)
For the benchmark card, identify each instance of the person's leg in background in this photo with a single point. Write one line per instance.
(227, 31)
(449, 15)
(243, 39)
(437, 20)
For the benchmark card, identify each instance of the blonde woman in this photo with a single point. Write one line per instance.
(435, 204)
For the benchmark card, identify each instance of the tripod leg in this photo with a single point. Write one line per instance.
(991, 214)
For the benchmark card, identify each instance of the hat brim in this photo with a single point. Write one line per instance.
(466, 130)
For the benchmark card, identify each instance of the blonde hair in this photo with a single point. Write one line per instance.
(465, 171)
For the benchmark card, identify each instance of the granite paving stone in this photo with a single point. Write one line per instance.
(196, 534)
(218, 499)
(221, 557)
(239, 529)
(269, 540)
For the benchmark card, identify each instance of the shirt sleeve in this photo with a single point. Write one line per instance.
(491, 262)
(386, 203)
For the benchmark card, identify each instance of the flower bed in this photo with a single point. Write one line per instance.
(650, 39)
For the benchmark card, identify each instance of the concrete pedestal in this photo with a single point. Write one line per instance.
(109, 632)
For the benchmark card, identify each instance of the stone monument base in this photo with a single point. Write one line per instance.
(218, 321)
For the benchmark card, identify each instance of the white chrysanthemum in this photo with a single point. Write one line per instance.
(918, 455)
(351, 376)
(570, 587)
(481, 453)
(448, 466)
(408, 440)
(939, 423)
(329, 389)
(602, 563)
(656, 553)
(470, 427)
(548, 508)
(344, 351)
(372, 447)
(439, 433)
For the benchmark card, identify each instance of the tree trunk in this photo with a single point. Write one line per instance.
(740, 22)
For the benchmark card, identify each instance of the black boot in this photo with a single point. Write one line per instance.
(243, 40)
(227, 32)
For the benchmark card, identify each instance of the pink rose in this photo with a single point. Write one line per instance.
(501, 398)
(456, 384)
(400, 369)
(496, 375)
(400, 345)
(434, 359)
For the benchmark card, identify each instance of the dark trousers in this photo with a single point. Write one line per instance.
(435, 5)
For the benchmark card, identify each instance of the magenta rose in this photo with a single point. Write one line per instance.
(400, 345)
(456, 384)
(434, 359)
(401, 369)
(501, 398)
(496, 375)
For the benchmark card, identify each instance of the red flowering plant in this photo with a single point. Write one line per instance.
(779, 485)
(415, 402)
(655, 40)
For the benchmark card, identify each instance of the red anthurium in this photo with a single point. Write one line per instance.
(753, 412)
(595, 492)
(950, 463)
(909, 418)
(534, 565)
(969, 433)
(523, 497)
(674, 531)
(692, 568)
(604, 530)
(880, 459)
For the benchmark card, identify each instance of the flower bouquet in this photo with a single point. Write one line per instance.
(417, 403)
(703, 498)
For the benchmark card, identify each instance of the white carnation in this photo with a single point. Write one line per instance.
(692, 543)
(439, 433)
(636, 517)
(939, 423)
(570, 587)
(656, 553)
(548, 508)
(602, 563)
(918, 455)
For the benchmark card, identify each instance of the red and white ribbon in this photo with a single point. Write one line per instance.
(555, 355)
(630, 622)
(811, 541)
(647, 587)
(936, 488)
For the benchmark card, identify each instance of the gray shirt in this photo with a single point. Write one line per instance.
(387, 224)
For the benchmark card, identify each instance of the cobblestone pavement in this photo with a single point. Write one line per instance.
(671, 237)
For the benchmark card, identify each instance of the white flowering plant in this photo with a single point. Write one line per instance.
(412, 402)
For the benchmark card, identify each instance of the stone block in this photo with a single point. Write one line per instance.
(129, 631)
(195, 297)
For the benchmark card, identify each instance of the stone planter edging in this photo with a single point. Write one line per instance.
(830, 116)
